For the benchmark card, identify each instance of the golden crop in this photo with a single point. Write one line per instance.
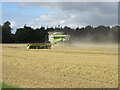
(84, 67)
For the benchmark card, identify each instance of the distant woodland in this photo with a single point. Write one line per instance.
(27, 34)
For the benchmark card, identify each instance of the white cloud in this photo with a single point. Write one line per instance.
(80, 13)
(53, 19)
(72, 14)
(13, 24)
(62, 21)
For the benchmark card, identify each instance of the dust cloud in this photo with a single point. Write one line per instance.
(109, 41)
(84, 45)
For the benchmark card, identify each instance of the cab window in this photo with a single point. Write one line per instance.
(58, 37)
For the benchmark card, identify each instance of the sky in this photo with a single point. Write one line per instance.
(52, 14)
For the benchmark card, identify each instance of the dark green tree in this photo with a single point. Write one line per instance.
(6, 32)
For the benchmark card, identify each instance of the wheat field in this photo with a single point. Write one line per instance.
(81, 66)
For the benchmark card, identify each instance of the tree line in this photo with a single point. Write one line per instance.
(86, 34)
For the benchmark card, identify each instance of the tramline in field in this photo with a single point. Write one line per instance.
(53, 38)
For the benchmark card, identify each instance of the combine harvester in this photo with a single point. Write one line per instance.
(53, 38)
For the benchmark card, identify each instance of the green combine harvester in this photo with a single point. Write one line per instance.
(53, 38)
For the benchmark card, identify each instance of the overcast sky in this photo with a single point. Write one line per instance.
(72, 14)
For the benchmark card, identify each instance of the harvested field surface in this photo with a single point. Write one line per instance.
(81, 66)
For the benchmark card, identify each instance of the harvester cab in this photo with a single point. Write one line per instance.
(53, 38)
